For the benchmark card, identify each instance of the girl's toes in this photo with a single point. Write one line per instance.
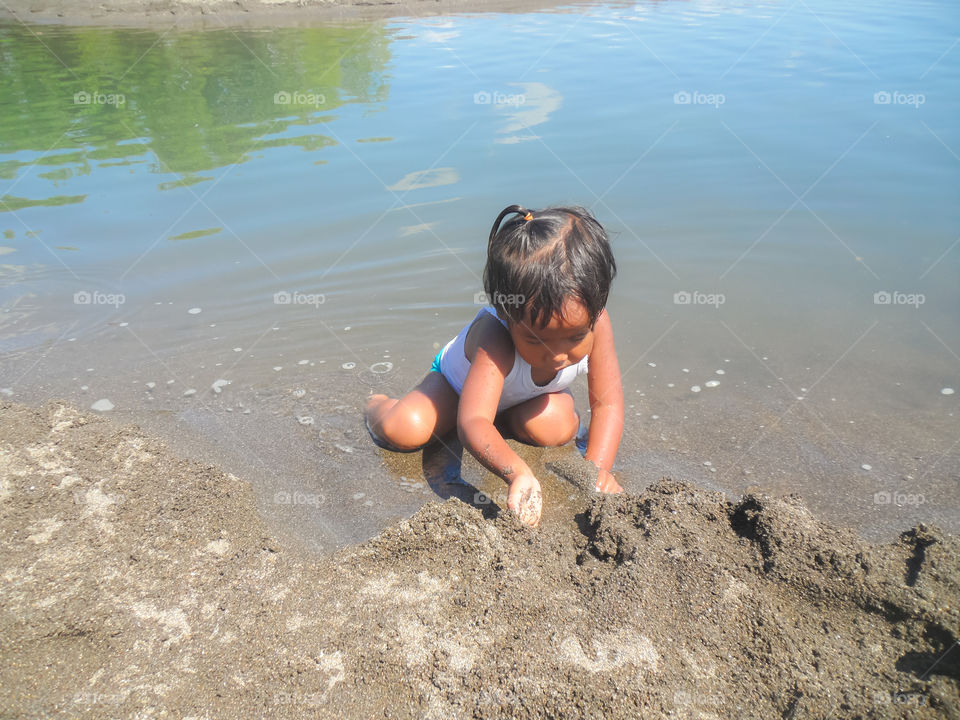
(374, 400)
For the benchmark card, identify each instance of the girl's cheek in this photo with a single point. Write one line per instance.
(585, 347)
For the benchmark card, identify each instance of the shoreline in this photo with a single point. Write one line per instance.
(214, 14)
(142, 583)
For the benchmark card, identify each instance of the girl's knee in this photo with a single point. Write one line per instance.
(555, 424)
(553, 433)
(404, 430)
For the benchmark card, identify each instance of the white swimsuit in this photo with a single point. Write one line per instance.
(518, 385)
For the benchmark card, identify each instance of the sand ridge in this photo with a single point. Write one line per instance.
(138, 584)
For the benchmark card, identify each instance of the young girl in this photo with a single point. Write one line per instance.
(547, 277)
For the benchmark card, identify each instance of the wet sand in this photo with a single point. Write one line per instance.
(137, 583)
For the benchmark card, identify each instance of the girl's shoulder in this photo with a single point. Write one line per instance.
(487, 332)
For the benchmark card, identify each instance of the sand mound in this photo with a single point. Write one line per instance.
(136, 584)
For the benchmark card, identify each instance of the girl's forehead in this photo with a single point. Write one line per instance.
(573, 318)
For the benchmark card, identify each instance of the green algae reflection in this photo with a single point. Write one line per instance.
(182, 103)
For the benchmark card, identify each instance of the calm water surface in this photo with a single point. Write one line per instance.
(303, 213)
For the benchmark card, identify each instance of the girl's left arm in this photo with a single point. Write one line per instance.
(606, 403)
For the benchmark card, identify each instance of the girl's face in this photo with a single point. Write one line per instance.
(565, 340)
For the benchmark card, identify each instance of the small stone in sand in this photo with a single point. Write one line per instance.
(277, 368)
(195, 311)
(349, 365)
(151, 385)
(103, 405)
(721, 372)
(305, 420)
(299, 393)
(695, 388)
(686, 370)
(188, 393)
(303, 362)
(866, 467)
(947, 391)
(238, 349)
(218, 385)
(712, 383)
(652, 364)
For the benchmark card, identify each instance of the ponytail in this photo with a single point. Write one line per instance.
(518, 209)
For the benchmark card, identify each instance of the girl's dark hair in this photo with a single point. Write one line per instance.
(539, 258)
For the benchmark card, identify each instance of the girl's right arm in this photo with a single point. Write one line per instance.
(491, 363)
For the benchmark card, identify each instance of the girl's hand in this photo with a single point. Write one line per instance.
(526, 499)
(606, 483)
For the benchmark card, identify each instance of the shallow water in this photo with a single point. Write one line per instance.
(306, 209)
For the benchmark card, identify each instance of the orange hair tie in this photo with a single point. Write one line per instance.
(528, 217)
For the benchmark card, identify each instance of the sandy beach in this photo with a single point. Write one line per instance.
(194, 522)
(140, 584)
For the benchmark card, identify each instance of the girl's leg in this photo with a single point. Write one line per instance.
(408, 423)
(547, 420)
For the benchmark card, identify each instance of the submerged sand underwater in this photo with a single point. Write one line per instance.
(139, 584)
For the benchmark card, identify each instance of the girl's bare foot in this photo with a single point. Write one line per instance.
(374, 402)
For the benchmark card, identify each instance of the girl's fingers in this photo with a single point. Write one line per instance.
(607, 483)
